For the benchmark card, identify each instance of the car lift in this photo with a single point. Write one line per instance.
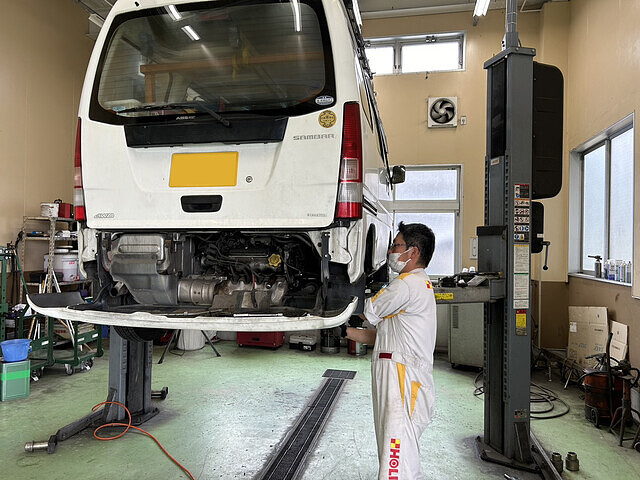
(514, 171)
(129, 384)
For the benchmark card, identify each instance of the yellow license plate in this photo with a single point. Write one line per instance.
(204, 169)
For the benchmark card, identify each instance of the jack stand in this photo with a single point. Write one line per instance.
(175, 335)
(129, 384)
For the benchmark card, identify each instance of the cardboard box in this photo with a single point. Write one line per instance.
(588, 334)
(618, 348)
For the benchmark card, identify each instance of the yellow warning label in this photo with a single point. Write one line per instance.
(521, 320)
(444, 296)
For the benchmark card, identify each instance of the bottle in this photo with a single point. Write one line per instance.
(597, 266)
(612, 269)
(629, 272)
(621, 269)
(605, 270)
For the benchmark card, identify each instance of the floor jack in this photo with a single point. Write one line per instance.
(129, 384)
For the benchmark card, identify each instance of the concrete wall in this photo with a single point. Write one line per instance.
(43, 53)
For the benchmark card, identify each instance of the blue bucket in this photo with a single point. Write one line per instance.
(15, 350)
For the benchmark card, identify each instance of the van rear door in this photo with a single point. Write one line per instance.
(213, 115)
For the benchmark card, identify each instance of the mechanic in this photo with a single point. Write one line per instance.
(404, 314)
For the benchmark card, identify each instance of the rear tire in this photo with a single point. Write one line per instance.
(133, 334)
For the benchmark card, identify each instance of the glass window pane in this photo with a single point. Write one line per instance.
(428, 185)
(443, 226)
(620, 219)
(231, 57)
(380, 60)
(593, 207)
(430, 57)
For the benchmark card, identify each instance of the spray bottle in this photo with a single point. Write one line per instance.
(597, 265)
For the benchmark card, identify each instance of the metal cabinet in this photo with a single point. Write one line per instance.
(466, 334)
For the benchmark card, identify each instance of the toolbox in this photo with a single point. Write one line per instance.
(15, 378)
(302, 342)
(260, 339)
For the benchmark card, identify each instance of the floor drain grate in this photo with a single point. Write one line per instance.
(288, 463)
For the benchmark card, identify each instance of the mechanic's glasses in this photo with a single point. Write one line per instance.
(395, 245)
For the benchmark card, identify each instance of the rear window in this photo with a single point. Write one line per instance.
(191, 59)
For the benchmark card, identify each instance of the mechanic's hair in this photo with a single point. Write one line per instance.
(421, 236)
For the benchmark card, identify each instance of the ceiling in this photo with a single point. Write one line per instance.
(97, 10)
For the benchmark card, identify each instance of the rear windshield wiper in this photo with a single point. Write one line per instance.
(197, 105)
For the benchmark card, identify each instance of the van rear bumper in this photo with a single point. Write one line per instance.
(58, 306)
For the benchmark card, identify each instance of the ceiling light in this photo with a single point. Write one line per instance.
(173, 12)
(481, 8)
(297, 20)
(191, 33)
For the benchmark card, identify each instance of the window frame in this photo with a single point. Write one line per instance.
(437, 206)
(397, 42)
(576, 200)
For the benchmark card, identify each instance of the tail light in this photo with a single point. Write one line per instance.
(78, 193)
(349, 203)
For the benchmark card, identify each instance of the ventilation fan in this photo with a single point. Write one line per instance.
(442, 112)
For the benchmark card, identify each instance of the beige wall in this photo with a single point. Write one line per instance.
(596, 45)
(403, 103)
(43, 56)
(601, 88)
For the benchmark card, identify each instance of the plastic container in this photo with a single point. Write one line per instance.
(15, 350)
(191, 340)
(65, 263)
(15, 379)
(49, 209)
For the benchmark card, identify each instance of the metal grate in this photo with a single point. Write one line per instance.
(290, 460)
(345, 374)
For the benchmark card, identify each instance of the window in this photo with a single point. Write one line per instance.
(431, 195)
(607, 199)
(419, 53)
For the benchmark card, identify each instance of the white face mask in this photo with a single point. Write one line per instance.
(394, 261)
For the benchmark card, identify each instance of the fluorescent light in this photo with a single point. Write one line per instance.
(191, 33)
(297, 20)
(481, 8)
(173, 12)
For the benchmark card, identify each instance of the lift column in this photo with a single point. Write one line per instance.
(505, 247)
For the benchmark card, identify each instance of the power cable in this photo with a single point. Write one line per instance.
(537, 394)
(129, 426)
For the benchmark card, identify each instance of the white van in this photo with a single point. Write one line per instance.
(231, 168)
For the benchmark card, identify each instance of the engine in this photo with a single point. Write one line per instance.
(226, 271)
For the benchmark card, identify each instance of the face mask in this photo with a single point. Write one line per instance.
(394, 261)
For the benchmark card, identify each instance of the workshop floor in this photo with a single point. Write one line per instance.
(225, 416)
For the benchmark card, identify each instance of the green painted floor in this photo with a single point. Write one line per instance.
(225, 416)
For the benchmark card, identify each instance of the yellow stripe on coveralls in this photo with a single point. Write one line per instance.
(401, 373)
(377, 295)
(415, 386)
(393, 315)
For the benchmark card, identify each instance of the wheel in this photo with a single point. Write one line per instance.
(133, 334)
(90, 362)
(68, 369)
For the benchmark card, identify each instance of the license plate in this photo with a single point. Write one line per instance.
(204, 169)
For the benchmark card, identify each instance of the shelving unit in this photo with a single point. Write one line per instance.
(46, 343)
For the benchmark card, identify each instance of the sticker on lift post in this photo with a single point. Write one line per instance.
(521, 322)
(521, 212)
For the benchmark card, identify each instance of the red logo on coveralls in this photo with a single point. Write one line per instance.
(394, 459)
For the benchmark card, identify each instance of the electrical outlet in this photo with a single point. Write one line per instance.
(473, 248)
(463, 120)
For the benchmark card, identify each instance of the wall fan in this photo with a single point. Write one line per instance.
(442, 112)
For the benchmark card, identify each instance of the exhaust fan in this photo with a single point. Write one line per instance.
(442, 112)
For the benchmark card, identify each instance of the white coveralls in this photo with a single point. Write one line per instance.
(404, 313)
